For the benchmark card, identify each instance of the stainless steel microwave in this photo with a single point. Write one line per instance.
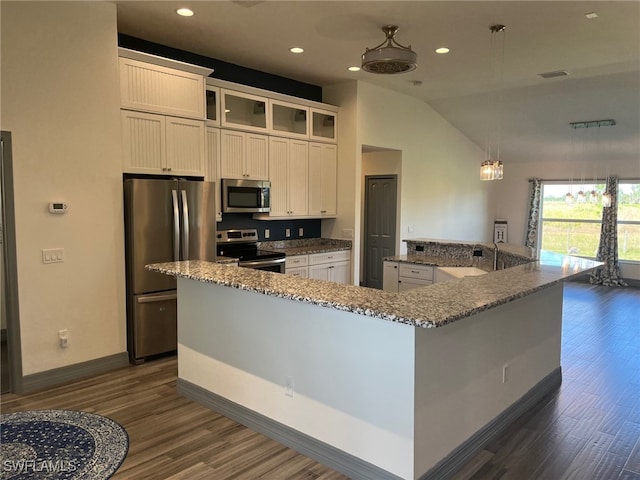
(242, 196)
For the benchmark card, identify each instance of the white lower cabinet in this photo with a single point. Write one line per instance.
(401, 277)
(390, 276)
(297, 266)
(330, 266)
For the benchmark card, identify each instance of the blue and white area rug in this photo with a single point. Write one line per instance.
(60, 445)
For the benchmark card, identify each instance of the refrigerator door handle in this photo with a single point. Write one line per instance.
(176, 226)
(185, 226)
(157, 298)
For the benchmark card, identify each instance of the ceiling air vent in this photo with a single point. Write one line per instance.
(557, 73)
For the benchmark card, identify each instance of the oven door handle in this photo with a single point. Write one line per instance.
(262, 263)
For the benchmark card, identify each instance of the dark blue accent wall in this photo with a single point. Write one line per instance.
(227, 71)
(312, 227)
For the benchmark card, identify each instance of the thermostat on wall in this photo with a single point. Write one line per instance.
(57, 207)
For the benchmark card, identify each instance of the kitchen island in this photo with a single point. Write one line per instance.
(363, 380)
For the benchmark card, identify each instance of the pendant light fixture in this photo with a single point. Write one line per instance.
(607, 122)
(492, 168)
(389, 57)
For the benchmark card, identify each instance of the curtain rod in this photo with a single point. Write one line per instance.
(591, 180)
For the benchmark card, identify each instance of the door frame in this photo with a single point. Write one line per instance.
(365, 236)
(10, 265)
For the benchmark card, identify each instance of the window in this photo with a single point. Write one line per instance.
(572, 217)
(629, 221)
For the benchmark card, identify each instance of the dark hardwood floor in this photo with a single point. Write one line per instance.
(588, 430)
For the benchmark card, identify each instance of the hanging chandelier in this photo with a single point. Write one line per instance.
(593, 194)
(389, 57)
(492, 168)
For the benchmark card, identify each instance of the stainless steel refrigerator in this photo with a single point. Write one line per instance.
(165, 220)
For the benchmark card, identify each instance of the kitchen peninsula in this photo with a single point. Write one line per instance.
(361, 379)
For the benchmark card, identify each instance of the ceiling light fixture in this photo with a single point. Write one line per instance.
(296, 50)
(492, 168)
(185, 12)
(354, 69)
(442, 50)
(389, 57)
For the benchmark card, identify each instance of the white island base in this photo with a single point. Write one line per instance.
(369, 397)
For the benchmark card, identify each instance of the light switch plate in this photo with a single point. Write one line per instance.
(53, 255)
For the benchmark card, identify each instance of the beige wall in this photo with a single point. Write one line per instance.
(60, 100)
(441, 196)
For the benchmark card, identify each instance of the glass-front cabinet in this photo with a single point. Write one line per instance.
(324, 126)
(244, 111)
(289, 119)
(212, 99)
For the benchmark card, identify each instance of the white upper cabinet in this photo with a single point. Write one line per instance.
(159, 144)
(289, 119)
(153, 88)
(212, 105)
(288, 173)
(212, 165)
(324, 125)
(244, 111)
(244, 155)
(323, 164)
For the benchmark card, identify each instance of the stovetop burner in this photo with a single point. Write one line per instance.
(243, 245)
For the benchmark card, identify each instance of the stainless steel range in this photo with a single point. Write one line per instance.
(243, 245)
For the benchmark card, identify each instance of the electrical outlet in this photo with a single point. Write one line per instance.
(288, 386)
(267, 233)
(505, 373)
(287, 232)
(63, 338)
(301, 232)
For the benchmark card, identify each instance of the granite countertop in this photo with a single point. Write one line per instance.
(430, 306)
(433, 261)
(306, 246)
(226, 260)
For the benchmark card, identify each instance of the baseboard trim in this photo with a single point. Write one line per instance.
(337, 459)
(354, 467)
(460, 456)
(58, 376)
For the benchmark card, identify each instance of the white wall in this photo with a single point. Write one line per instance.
(381, 162)
(524, 334)
(441, 196)
(60, 100)
(509, 197)
(352, 375)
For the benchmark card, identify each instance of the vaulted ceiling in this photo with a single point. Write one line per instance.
(601, 56)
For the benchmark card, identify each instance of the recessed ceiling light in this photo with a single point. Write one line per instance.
(442, 50)
(591, 15)
(296, 50)
(185, 12)
(354, 69)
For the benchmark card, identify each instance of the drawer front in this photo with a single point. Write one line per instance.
(297, 261)
(416, 271)
(329, 257)
(301, 272)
